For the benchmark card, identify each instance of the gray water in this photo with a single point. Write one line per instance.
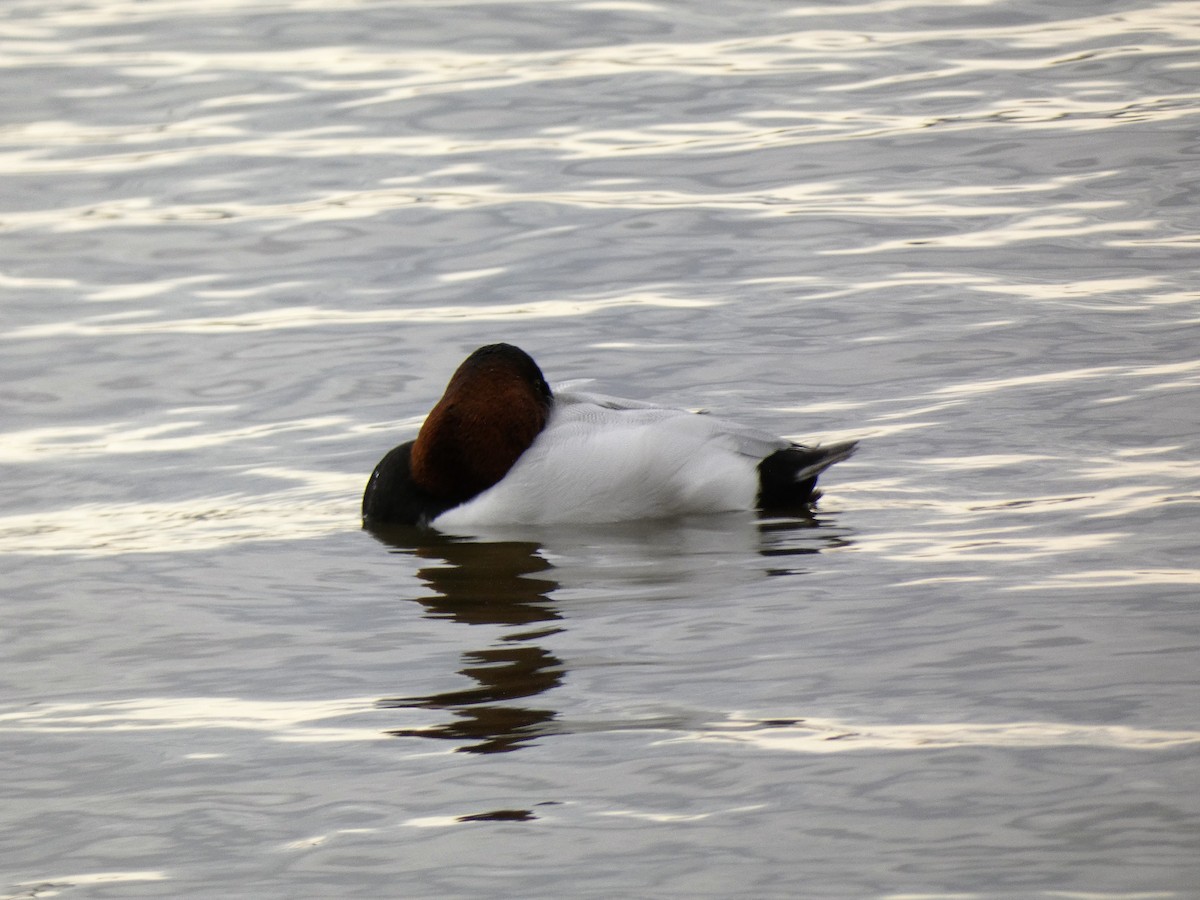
(244, 243)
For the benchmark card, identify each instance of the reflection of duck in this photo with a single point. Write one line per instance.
(503, 674)
(501, 447)
(500, 583)
(478, 583)
(507, 703)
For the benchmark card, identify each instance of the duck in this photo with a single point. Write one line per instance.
(501, 448)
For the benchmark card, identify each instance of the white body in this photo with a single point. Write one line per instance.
(601, 459)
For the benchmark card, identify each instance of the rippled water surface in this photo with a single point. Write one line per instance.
(243, 244)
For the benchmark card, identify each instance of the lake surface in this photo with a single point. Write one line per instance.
(243, 244)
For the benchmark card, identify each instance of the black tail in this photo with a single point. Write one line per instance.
(788, 478)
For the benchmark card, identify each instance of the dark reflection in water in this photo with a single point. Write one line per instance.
(777, 541)
(501, 815)
(507, 583)
(477, 582)
(492, 583)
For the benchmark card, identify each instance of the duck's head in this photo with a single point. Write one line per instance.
(496, 403)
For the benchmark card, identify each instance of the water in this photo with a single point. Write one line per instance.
(243, 245)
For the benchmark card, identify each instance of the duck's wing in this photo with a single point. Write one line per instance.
(618, 412)
(565, 396)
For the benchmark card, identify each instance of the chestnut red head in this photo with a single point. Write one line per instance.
(495, 405)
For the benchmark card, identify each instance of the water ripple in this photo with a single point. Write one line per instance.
(310, 316)
(337, 720)
(320, 503)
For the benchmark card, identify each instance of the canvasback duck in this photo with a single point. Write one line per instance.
(501, 448)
